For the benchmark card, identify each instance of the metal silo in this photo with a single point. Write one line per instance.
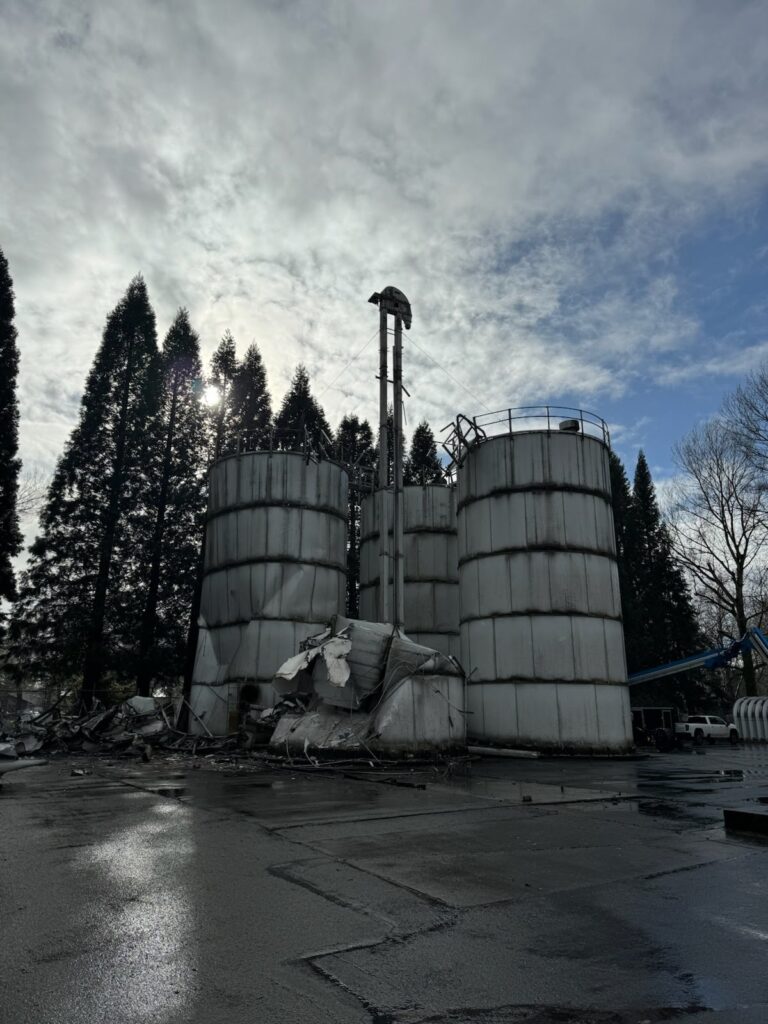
(541, 632)
(274, 573)
(431, 565)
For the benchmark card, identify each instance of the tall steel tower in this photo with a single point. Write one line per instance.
(391, 302)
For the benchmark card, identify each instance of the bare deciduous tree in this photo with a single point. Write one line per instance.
(33, 486)
(746, 414)
(719, 526)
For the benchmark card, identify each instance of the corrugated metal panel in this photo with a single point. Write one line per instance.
(431, 566)
(541, 632)
(275, 567)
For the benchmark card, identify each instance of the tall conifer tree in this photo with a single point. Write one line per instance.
(665, 625)
(178, 508)
(10, 534)
(354, 447)
(302, 418)
(249, 408)
(423, 465)
(621, 501)
(223, 370)
(75, 612)
(390, 449)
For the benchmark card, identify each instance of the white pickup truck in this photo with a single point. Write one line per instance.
(706, 727)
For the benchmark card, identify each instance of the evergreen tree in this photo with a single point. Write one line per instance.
(664, 626)
(249, 409)
(75, 611)
(423, 465)
(178, 509)
(621, 502)
(390, 450)
(223, 370)
(301, 419)
(10, 534)
(354, 447)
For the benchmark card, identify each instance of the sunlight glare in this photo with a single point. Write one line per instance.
(211, 395)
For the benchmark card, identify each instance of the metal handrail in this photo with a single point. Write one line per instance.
(283, 439)
(297, 442)
(466, 432)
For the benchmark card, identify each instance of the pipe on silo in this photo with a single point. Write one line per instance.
(431, 587)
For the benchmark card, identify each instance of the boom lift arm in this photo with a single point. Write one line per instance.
(753, 640)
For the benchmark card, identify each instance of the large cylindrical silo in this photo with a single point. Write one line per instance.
(274, 574)
(541, 633)
(431, 596)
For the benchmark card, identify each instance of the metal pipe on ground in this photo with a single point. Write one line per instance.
(502, 752)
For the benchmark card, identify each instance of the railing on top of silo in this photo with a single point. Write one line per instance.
(314, 447)
(467, 431)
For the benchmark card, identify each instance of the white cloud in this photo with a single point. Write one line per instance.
(523, 171)
(724, 359)
(629, 435)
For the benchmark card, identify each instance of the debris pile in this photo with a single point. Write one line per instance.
(358, 688)
(364, 687)
(133, 727)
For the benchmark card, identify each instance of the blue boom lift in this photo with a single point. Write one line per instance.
(753, 640)
(659, 723)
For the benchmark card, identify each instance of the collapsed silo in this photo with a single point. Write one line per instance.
(274, 574)
(431, 591)
(541, 632)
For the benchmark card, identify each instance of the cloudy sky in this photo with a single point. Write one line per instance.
(572, 194)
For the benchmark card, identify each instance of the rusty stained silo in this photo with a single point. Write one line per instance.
(431, 596)
(541, 633)
(274, 574)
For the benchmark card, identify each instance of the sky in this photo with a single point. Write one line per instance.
(571, 194)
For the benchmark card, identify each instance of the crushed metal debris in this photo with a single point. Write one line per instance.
(141, 728)
(132, 728)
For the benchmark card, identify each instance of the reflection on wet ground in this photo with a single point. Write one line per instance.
(510, 791)
(505, 891)
(173, 791)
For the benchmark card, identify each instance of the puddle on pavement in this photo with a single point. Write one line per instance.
(667, 810)
(684, 781)
(694, 775)
(509, 791)
(174, 791)
(675, 812)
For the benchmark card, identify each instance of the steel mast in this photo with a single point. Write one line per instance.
(391, 302)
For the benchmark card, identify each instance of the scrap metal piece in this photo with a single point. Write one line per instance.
(17, 765)
(398, 697)
(28, 743)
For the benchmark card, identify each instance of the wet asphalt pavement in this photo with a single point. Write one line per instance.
(582, 892)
